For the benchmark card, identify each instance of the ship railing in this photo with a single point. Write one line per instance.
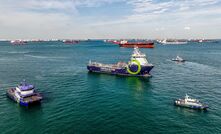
(100, 64)
(113, 66)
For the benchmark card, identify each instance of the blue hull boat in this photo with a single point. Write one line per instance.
(24, 94)
(138, 66)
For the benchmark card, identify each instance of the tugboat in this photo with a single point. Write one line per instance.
(178, 59)
(137, 66)
(190, 103)
(24, 94)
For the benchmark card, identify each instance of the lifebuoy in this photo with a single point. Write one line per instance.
(138, 70)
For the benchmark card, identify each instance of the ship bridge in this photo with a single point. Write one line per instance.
(137, 55)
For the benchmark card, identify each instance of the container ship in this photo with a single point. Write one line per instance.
(137, 66)
(146, 44)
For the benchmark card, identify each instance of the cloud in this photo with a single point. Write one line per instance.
(160, 29)
(173, 12)
(72, 18)
(61, 6)
(52, 5)
(186, 28)
(169, 19)
(149, 6)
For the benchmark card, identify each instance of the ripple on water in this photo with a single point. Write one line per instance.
(76, 101)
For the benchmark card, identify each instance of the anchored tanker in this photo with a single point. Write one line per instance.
(137, 66)
(147, 44)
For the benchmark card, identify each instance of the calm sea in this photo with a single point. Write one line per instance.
(76, 101)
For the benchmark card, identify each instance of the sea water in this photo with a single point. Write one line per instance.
(76, 101)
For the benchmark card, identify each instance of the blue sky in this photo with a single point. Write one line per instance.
(82, 19)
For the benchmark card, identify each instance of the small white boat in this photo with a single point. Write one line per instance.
(178, 59)
(190, 103)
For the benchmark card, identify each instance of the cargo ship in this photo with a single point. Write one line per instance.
(205, 40)
(18, 42)
(70, 42)
(137, 66)
(172, 42)
(146, 44)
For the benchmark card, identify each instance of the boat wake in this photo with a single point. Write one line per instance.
(44, 57)
(35, 56)
(17, 52)
(202, 68)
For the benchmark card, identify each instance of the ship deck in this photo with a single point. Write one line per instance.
(29, 99)
(112, 66)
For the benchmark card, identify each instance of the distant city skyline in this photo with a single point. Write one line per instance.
(103, 19)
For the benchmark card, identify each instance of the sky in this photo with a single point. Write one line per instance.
(103, 19)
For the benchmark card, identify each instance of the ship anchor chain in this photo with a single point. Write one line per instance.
(137, 63)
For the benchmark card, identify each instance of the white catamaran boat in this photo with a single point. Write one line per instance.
(25, 94)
